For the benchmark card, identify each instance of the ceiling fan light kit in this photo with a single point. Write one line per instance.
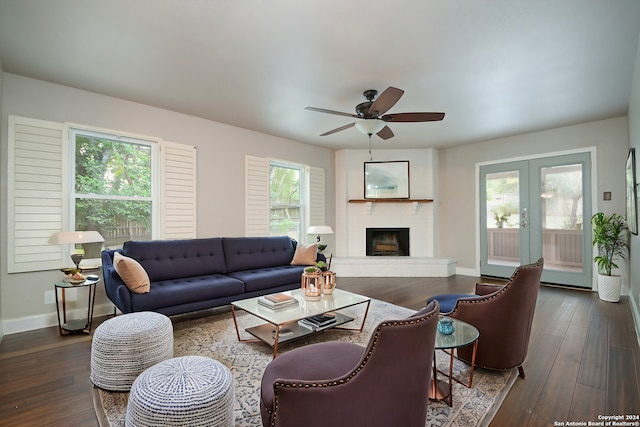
(371, 114)
(370, 126)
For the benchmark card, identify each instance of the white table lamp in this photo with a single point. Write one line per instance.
(73, 238)
(318, 230)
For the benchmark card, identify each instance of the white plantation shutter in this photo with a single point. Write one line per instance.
(256, 193)
(37, 194)
(178, 191)
(316, 196)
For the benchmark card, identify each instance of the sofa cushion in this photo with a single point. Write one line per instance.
(305, 254)
(265, 278)
(250, 253)
(177, 259)
(132, 273)
(168, 293)
(448, 301)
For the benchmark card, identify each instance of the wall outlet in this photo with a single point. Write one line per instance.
(49, 297)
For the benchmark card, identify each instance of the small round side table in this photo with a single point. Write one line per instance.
(66, 326)
(464, 334)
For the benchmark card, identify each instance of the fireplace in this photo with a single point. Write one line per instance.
(387, 241)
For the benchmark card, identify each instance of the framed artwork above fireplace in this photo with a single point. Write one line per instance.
(386, 180)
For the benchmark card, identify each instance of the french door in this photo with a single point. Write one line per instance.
(537, 208)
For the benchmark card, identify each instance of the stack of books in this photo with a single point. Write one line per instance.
(320, 321)
(277, 301)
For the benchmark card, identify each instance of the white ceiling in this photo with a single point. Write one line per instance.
(495, 67)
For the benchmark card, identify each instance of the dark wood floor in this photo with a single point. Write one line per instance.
(584, 361)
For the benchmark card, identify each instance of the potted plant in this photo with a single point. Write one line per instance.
(500, 219)
(610, 239)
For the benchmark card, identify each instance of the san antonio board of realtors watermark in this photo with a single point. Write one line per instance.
(604, 421)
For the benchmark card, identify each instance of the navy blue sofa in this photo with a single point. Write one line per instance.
(196, 274)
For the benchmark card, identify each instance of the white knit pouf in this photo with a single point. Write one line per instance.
(126, 345)
(188, 391)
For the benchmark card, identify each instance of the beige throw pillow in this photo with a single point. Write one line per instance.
(305, 254)
(132, 273)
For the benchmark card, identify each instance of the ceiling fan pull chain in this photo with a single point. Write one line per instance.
(370, 155)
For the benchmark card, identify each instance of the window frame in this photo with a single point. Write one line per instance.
(154, 145)
(304, 181)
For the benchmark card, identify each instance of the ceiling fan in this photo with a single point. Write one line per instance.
(372, 114)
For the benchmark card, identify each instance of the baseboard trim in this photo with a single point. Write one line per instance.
(30, 323)
(467, 272)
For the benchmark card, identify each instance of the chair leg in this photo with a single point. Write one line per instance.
(520, 371)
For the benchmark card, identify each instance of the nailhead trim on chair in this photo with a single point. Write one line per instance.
(497, 293)
(373, 341)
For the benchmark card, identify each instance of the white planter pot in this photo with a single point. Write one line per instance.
(609, 287)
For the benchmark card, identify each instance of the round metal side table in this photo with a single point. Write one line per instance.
(464, 334)
(67, 326)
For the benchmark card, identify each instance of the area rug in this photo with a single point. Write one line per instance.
(213, 335)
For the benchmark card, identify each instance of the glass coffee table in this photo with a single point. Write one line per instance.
(283, 323)
(464, 334)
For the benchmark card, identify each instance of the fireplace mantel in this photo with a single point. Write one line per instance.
(369, 203)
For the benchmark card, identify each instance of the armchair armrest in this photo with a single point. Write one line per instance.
(487, 288)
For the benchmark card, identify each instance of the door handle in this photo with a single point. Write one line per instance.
(524, 224)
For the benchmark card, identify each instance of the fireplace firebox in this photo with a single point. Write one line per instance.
(387, 241)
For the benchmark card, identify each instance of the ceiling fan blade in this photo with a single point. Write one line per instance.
(385, 100)
(413, 117)
(385, 133)
(338, 129)
(322, 110)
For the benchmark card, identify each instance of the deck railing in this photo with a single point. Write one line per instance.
(559, 246)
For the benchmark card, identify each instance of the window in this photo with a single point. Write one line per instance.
(63, 177)
(114, 186)
(287, 200)
(275, 206)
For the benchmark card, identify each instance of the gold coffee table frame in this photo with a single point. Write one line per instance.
(282, 324)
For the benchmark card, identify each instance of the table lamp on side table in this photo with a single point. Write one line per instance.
(318, 230)
(73, 238)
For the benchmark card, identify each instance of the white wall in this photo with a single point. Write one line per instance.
(634, 141)
(458, 216)
(220, 173)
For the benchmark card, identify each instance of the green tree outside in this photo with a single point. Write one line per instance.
(111, 177)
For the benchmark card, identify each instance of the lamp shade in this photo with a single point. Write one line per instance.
(370, 126)
(71, 237)
(319, 229)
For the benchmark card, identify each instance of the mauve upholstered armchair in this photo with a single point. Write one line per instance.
(503, 314)
(344, 384)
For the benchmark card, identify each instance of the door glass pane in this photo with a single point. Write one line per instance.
(561, 202)
(503, 218)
